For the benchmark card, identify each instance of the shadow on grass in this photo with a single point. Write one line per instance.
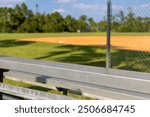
(85, 55)
(13, 43)
(96, 56)
(91, 55)
(131, 60)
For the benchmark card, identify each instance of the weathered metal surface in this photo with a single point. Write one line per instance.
(100, 91)
(112, 83)
(29, 93)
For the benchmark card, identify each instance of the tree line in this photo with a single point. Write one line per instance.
(22, 19)
(130, 22)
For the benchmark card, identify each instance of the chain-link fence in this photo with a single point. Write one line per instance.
(130, 35)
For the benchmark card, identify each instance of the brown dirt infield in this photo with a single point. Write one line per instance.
(137, 43)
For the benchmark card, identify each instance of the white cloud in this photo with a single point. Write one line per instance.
(133, 7)
(9, 3)
(86, 6)
(117, 7)
(64, 1)
(144, 6)
(90, 7)
(59, 10)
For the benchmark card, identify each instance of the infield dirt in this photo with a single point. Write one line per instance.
(137, 43)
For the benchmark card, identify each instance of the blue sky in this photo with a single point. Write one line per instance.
(92, 8)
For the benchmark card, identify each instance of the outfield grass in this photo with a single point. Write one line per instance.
(54, 52)
(34, 35)
(86, 55)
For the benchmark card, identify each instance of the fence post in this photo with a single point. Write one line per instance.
(108, 53)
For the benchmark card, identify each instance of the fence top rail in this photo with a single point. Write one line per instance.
(41, 67)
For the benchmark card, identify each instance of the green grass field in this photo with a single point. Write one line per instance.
(86, 55)
(10, 46)
(34, 35)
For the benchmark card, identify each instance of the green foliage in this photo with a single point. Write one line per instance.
(102, 26)
(21, 19)
(70, 24)
(130, 22)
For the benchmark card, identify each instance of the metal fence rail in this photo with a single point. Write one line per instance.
(115, 84)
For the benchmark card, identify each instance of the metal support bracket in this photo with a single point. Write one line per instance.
(1, 80)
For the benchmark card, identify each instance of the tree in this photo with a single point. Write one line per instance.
(24, 10)
(57, 22)
(129, 24)
(70, 24)
(21, 19)
(82, 24)
(102, 25)
(92, 25)
(54, 23)
(145, 24)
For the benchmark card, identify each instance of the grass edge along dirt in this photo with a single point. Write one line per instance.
(34, 35)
